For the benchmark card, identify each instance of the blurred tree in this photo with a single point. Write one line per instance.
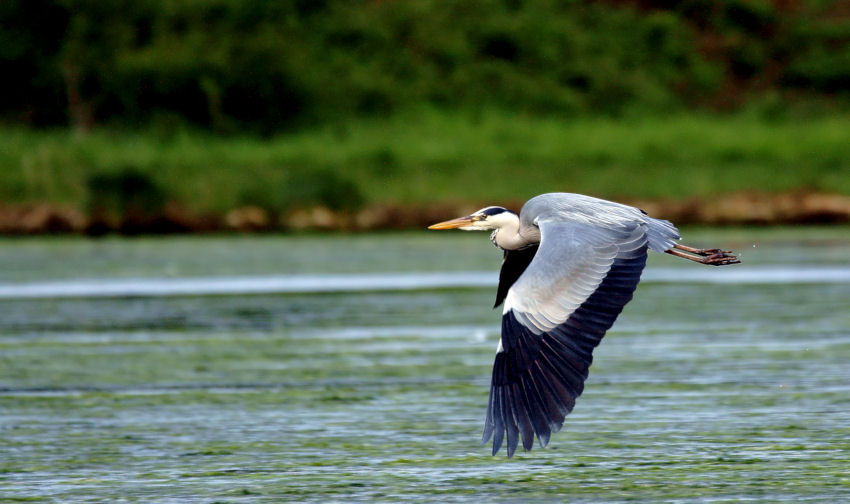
(31, 34)
(264, 66)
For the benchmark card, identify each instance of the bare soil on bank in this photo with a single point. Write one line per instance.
(745, 208)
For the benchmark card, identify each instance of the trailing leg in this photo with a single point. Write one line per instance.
(713, 257)
(701, 252)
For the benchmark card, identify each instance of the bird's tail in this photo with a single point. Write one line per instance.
(662, 234)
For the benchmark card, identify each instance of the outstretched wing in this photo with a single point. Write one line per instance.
(555, 314)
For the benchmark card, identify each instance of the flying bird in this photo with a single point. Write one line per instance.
(571, 263)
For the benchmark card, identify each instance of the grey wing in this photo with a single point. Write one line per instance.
(580, 208)
(555, 315)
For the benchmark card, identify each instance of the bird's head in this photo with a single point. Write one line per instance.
(489, 218)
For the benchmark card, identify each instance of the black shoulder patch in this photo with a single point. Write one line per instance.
(515, 262)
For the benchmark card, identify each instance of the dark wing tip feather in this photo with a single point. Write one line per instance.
(537, 377)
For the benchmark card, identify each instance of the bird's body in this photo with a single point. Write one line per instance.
(571, 263)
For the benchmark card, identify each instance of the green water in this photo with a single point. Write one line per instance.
(700, 393)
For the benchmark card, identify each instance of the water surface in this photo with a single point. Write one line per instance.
(356, 368)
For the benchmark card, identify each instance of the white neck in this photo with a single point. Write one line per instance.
(507, 236)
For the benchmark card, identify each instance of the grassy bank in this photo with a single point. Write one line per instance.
(433, 157)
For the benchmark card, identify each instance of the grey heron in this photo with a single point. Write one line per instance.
(571, 263)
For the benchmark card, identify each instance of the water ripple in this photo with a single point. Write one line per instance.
(286, 284)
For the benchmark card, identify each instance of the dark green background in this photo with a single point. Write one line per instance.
(269, 66)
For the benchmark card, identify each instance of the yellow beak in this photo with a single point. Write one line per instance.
(453, 224)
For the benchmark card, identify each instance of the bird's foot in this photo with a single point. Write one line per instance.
(701, 252)
(713, 257)
(710, 252)
(720, 258)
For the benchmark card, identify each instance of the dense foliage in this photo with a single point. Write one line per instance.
(270, 65)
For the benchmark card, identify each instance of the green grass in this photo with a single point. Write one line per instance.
(438, 156)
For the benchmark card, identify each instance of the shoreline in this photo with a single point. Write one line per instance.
(742, 208)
